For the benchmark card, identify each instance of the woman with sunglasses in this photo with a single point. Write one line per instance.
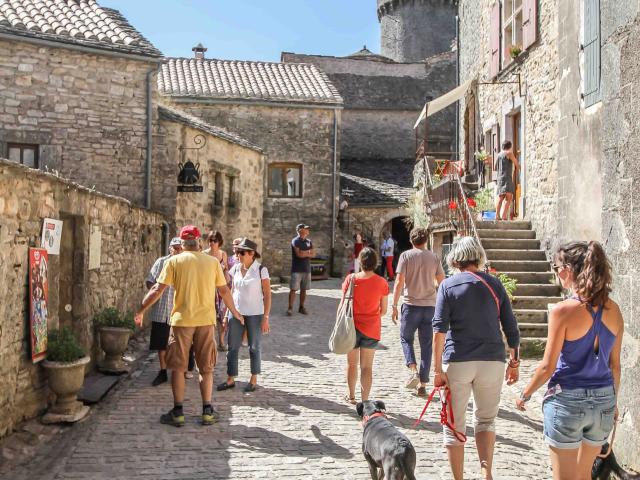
(581, 362)
(251, 291)
(215, 241)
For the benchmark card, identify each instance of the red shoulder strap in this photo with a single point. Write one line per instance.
(493, 294)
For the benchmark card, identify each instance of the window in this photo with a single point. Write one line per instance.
(24, 154)
(285, 180)
(218, 195)
(591, 52)
(233, 194)
(511, 29)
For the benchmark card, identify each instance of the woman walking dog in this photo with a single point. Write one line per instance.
(582, 362)
(370, 295)
(472, 312)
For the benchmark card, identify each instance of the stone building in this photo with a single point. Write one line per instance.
(292, 111)
(129, 240)
(573, 120)
(382, 97)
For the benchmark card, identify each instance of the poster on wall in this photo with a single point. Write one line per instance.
(38, 296)
(51, 235)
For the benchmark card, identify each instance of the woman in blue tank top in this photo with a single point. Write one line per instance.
(581, 362)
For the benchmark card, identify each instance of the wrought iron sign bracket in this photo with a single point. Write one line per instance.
(199, 140)
(519, 83)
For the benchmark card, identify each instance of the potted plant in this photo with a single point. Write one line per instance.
(483, 156)
(65, 364)
(514, 51)
(484, 203)
(115, 329)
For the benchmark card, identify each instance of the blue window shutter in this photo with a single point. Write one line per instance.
(591, 52)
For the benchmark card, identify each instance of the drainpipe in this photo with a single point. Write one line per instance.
(334, 188)
(457, 148)
(147, 169)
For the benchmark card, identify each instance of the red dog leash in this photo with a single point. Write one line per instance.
(446, 412)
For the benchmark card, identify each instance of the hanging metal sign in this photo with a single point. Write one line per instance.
(189, 178)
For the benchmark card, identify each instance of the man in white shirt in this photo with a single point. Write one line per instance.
(386, 250)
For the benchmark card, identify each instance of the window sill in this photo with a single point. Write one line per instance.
(513, 65)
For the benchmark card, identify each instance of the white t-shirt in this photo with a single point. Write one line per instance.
(247, 291)
(387, 247)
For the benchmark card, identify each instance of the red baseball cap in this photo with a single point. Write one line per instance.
(189, 232)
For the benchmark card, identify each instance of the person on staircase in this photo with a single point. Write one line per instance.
(581, 362)
(506, 164)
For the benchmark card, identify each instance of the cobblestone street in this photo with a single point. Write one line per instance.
(294, 426)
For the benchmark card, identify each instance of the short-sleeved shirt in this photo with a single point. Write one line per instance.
(300, 265)
(387, 247)
(420, 267)
(247, 291)
(367, 293)
(161, 310)
(195, 277)
(467, 312)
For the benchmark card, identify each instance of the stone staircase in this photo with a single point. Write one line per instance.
(512, 249)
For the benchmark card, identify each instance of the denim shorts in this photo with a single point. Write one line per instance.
(362, 341)
(578, 415)
(300, 281)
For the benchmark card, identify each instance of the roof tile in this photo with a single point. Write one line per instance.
(231, 79)
(81, 22)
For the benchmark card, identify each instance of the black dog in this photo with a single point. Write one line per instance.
(604, 467)
(383, 446)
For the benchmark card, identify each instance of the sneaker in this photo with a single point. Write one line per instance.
(172, 419)
(303, 311)
(289, 313)
(412, 381)
(162, 377)
(209, 415)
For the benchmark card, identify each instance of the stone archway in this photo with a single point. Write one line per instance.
(392, 221)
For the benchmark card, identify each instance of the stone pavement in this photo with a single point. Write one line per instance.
(294, 426)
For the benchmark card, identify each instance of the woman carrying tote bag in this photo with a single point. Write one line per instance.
(370, 296)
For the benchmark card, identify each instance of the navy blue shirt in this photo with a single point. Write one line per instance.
(467, 312)
(300, 265)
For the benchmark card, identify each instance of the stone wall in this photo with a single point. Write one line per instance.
(382, 101)
(232, 178)
(412, 30)
(287, 134)
(620, 141)
(539, 72)
(131, 241)
(86, 112)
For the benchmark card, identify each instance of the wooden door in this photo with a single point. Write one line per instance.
(516, 129)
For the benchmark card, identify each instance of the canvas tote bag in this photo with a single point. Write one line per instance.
(343, 337)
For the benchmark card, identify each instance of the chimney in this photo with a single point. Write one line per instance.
(199, 50)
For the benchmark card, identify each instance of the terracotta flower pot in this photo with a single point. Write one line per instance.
(114, 341)
(65, 380)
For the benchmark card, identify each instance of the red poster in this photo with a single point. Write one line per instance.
(38, 295)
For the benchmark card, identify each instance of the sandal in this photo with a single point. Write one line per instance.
(349, 399)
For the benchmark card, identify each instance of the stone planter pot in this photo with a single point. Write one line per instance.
(114, 341)
(65, 380)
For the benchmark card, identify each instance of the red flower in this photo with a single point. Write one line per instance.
(453, 205)
(471, 202)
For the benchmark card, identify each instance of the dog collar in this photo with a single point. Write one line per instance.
(366, 418)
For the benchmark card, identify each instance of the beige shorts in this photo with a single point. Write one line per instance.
(204, 347)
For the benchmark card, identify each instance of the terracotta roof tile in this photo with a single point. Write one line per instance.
(82, 22)
(231, 79)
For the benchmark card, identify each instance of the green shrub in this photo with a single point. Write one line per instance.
(111, 317)
(509, 284)
(484, 200)
(63, 346)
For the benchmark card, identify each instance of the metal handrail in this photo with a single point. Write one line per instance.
(468, 209)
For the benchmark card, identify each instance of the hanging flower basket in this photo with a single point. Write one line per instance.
(453, 205)
(471, 202)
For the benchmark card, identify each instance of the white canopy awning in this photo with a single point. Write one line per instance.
(434, 106)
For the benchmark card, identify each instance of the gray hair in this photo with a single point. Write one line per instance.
(466, 251)
(191, 244)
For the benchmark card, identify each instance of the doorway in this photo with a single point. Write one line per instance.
(65, 280)
(515, 121)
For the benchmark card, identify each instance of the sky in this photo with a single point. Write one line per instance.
(254, 29)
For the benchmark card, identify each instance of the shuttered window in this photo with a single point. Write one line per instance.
(494, 41)
(591, 50)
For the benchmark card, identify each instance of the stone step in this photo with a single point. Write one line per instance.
(533, 330)
(510, 244)
(537, 289)
(501, 254)
(532, 347)
(542, 278)
(534, 302)
(503, 225)
(520, 265)
(504, 233)
(524, 315)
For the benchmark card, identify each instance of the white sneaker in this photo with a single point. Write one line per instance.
(412, 381)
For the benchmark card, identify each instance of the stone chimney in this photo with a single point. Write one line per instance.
(199, 50)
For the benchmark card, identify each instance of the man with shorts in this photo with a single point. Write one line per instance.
(194, 276)
(418, 275)
(161, 312)
(301, 254)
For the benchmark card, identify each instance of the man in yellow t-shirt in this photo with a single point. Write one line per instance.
(195, 277)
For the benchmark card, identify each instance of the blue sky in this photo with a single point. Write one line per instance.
(254, 29)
